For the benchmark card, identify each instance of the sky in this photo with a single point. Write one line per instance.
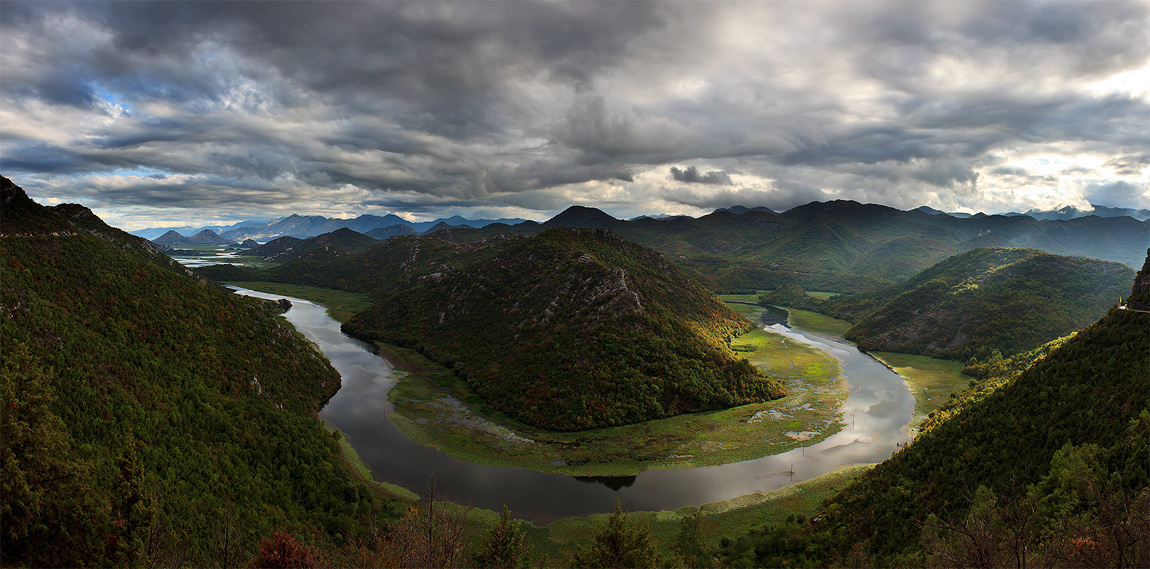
(160, 114)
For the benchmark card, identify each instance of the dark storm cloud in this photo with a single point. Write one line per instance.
(692, 175)
(439, 104)
(779, 197)
(1103, 193)
(1130, 165)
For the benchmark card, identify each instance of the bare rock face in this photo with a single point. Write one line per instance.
(620, 299)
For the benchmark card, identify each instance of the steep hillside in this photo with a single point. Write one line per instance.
(389, 266)
(150, 417)
(83, 218)
(568, 330)
(578, 216)
(1062, 444)
(987, 300)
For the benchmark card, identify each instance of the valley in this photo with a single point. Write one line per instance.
(562, 284)
(426, 404)
(827, 431)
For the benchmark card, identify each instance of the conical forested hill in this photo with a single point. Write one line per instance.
(149, 417)
(571, 329)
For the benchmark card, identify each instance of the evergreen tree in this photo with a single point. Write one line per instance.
(619, 546)
(504, 546)
(690, 543)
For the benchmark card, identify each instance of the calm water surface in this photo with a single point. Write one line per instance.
(875, 416)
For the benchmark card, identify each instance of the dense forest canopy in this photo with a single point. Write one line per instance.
(568, 330)
(148, 414)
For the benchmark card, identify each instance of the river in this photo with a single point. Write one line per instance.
(875, 415)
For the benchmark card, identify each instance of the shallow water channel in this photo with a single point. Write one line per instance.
(875, 416)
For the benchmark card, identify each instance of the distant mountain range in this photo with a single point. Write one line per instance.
(841, 245)
(284, 249)
(304, 226)
(1062, 213)
(382, 227)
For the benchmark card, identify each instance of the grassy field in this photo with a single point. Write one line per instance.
(341, 305)
(821, 294)
(931, 380)
(815, 322)
(555, 542)
(436, 409)
(743, 298)
(746, 304)
(751, 310)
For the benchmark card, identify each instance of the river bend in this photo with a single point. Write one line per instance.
(875, 416)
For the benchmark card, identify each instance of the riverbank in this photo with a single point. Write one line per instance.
(361, 409)
(340, 305)
(558, 540)
(436, 409)
(930, 380)
(553, 544)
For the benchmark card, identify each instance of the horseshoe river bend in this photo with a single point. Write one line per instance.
(875, 417)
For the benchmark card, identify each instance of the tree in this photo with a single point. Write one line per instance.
(690, 543)
(619, 546)
(430, 537)
(283, 550)
(48, 513)
(504, 546)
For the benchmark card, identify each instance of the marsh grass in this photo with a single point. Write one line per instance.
(822, 294)
(340, 305)
(559, 539)
(931, 381)
(437, 409)
(815, 322)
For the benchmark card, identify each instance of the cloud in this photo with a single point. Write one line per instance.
(409, 106)
(691, 175)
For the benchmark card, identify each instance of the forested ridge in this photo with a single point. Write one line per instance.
(568, 330)
(984, 303)
(840, 245)
(1042, 462)
(150, 417)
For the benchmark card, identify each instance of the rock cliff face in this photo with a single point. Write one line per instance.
(1140, 293)
(572, 329)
